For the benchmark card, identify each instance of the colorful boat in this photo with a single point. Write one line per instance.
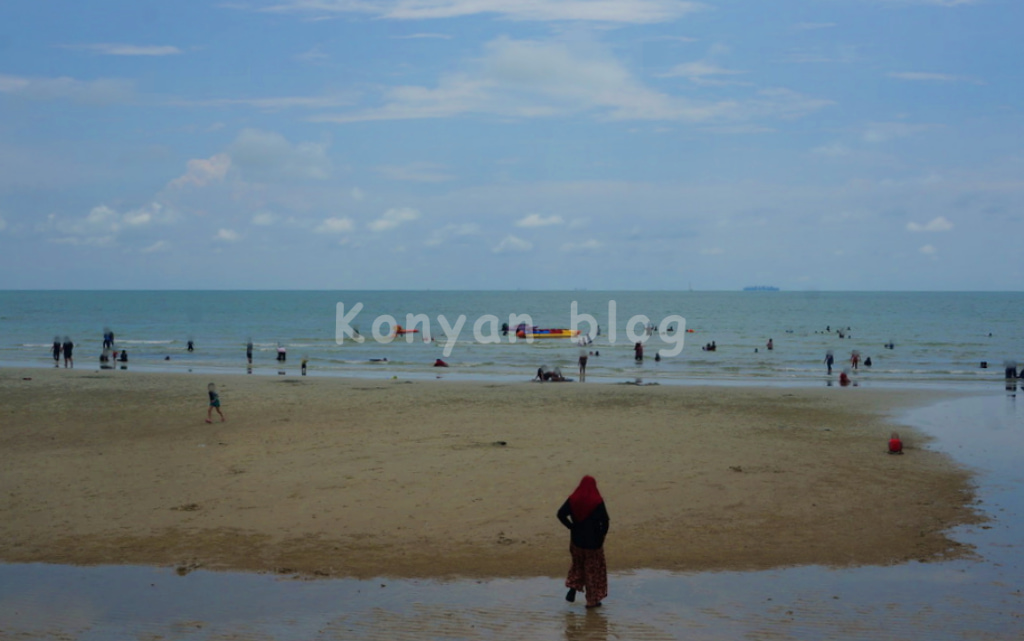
(535, 332)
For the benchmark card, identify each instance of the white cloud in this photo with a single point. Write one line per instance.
(203, 171)
(88, 241)
(264, 218)
(138, 218)
(439, 236)
(536, 220)
(357, 194)
(918, 76)
(712, 251)
(610, 11)
(585, 246)
(531, 79)
(268, 156)
(579, 223)
(158, 246)
(338, 225)
(102, 91)
(421, 172)
(700, 72)
(512, 244)
(536, 79)
(111, 49)
(942, 3)
(227, 235)
(103, 224)
(878, 132)
(935, 224)
(417, 36)
(271, 104)
(102, 216)
(834, 149)
(928, 250)
(392, 218)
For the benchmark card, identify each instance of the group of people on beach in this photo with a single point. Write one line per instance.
(110, 355)
(65, 348)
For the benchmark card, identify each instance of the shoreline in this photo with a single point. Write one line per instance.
(334, 476)
(962, 386)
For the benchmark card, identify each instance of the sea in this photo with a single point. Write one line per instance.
(911, 338)
(938, 340)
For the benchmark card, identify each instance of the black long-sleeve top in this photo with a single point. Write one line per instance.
(590, 532)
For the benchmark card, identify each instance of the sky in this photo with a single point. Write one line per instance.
(512, 144)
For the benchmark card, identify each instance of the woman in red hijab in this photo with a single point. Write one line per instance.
(587, 519)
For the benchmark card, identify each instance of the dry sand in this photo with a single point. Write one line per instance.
(362, 478)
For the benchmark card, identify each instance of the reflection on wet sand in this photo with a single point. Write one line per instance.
(588, 626)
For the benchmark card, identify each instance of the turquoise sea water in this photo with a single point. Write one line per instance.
(938, 336)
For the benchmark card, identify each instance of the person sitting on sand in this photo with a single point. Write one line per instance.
(895, 444)
(544, 373)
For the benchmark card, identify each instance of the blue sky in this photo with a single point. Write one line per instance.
(512, 144)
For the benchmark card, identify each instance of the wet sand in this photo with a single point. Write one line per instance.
(356, 478)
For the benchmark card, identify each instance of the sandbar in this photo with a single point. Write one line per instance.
(338, 477)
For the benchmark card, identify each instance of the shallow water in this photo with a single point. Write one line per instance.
(974, 599)
(939, 336)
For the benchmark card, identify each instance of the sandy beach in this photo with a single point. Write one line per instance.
(359, 478)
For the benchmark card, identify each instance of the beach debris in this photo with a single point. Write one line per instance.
(187, 507)
(736, 468)
(500, 443)
(187, 567)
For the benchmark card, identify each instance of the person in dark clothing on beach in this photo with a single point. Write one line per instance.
(214, 404)
(68, 348)
(585, 515)
(56, 351)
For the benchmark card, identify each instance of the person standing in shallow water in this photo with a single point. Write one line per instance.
(68, 348)
(585, 515)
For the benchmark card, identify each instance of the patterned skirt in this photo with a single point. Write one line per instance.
(588, 574)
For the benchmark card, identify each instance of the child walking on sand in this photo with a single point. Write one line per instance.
(214, 404)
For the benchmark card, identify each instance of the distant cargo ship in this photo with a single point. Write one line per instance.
(761, 288)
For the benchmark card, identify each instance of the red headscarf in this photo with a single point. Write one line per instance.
(584, 499)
